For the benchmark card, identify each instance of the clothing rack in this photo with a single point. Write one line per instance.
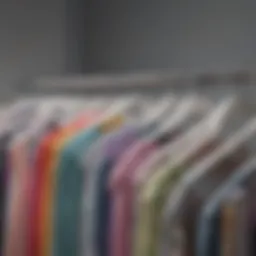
(212, 84)
(149, 82)
(74, 150)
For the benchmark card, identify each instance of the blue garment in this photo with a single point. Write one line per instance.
(69, 190)
(208, 223)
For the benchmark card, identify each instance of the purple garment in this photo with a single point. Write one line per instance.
(119, 142)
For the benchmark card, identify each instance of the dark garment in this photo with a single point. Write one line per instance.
(253, 241)
(103, 212)
(4, 143)
(214, 248)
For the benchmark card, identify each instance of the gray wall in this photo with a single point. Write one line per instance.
(32, 39)
(55, 36)
(198, 34)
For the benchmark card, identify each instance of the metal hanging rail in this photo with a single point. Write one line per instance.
(147, 82)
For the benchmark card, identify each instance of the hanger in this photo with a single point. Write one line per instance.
(186, 111)
(210, 126)
(187, 107)
(61, 109)
(158, 110)
(118, 112)
(19, 116)
(47, 112)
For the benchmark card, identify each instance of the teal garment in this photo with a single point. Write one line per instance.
(68, 194)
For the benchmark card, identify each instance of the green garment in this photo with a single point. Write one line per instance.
(151, 202)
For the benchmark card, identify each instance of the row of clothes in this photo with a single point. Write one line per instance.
(127, 177)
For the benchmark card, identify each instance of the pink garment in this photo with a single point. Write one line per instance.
(16, 225)
(121, 187)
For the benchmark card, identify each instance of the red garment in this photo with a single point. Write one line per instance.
(41, 164)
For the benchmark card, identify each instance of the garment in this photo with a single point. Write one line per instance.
(5, 139)
(233, 238)
(70, 176)
(122, 196)
(194, 188)
(155, 193)
(156, 161)
(20, 116)
(212, 206)
(41, 164)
